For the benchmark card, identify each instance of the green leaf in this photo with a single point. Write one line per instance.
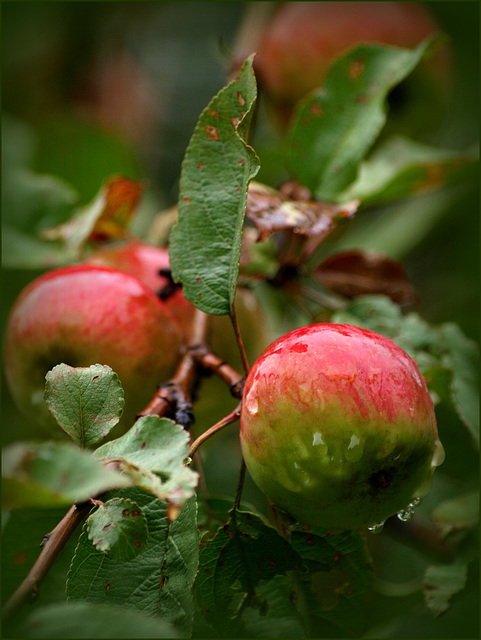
(85, 620)
(87, 402)
(462, 357)
(218, 165)
(105, 218)
(156, 582)
(441, 583)
(402, 167)
(435, 348)
(457, 514)
(50, 474)
(280, 619)
(335, 126)
(119, 527)
(30, 203)
(152, 452)
(21, 250)
(241, 554)
(338, 583)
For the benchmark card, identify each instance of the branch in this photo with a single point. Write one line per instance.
(51, 545)
(221, 368)
(177, 392)
(422, 538)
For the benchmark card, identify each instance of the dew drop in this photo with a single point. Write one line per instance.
(376, 528)
(438, 455)
(317, 439)
(252, 404)
(355, 449)
(415, 502)
(406, 514)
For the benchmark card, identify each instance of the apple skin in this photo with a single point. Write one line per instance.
(144, 261)
(84, 315)
(303, 39)
(337, 427)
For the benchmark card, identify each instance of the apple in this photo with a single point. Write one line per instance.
(150, 264)
(303, 39)
(83, 315)
(338, 428)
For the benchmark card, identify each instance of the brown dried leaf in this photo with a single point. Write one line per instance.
(355, 273)
(105, 218)
(272, 211)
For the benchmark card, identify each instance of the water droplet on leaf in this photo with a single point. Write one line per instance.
(376, 528)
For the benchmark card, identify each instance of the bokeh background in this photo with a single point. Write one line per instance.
(91, 89)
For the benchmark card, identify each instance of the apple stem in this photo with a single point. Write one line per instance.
(51, 545)
(240, 342)
(229, 419)
(240, 486)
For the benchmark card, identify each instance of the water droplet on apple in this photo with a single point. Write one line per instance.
(406, 514)
(376, 528)
(438, 455)
(317, 439)
(252, 404)
(355, 449)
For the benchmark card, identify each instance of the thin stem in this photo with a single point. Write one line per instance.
(51, 545)
(229, 419)
(240, 342)
(240, 486)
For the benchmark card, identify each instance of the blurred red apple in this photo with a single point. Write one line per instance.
(149, 264)
(303, 39)
(85, 315)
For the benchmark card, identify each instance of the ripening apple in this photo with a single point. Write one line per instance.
(304, 38)
(338, 428)
(149, 263)
(84, 315)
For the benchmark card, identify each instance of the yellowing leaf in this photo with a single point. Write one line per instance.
(105, 218)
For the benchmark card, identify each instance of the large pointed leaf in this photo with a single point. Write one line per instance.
(218, 165)
(335, 126)
(338, 583)
(241, 554)
(156, 582)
